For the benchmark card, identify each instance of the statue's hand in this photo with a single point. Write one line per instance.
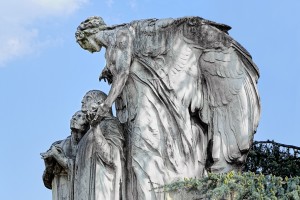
(102, 77)
(46, 155)
(52, 152)
(56, 150)
(101, 112)
(106, 75)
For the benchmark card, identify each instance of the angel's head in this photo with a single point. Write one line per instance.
(86, 32)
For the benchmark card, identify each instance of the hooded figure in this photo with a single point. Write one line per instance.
(99, 160)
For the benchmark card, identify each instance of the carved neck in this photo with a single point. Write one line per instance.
(105, 38)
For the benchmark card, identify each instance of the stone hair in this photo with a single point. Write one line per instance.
(78, 112)
(90, 26)
(96, 95)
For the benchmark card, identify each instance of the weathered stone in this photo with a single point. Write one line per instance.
(99, 160)
(186, 95)
(59, 160)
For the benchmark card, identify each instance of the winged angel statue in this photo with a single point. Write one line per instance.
(185, 92)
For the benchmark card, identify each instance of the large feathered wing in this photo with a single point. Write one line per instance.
(231, 103)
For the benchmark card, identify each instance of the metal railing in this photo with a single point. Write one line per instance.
(269, 157)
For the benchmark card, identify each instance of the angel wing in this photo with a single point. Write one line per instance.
(222, 88)
(231, 95)
(231, 103)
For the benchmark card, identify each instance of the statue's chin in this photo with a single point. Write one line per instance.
(97, 48)
(77, 126)
(94, 49)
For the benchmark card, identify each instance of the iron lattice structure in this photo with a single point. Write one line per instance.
(269, 157)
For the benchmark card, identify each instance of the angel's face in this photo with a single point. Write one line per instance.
(90, 44)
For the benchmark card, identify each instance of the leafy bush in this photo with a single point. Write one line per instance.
(247, 185)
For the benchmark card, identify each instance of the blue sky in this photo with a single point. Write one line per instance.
(44, 73)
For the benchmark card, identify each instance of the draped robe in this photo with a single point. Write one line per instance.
(164, 141)
(190, 103)
(98, 174)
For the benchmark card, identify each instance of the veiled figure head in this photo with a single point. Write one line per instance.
(78, 121)
(91, 101)
(78, 126)
(86, 33)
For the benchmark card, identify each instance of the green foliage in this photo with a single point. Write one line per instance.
(272, 172)
(239, 186)
(269, 157)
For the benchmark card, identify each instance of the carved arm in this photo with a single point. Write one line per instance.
(120, 61)
(103, 148)
(118, 58)
(58, 155)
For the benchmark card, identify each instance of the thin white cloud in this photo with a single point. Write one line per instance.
(133, 4)
(109, 3)
(58, 7)
(19, 35)
(16, 44)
